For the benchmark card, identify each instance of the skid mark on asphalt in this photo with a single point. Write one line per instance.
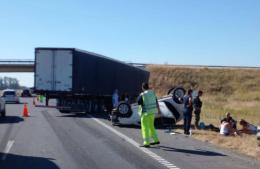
(159, 159)
(7, 149)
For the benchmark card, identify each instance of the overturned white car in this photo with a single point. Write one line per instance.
(171, 107)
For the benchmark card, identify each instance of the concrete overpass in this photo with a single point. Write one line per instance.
(11, 66)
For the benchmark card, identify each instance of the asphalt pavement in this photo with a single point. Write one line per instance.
(51, 140)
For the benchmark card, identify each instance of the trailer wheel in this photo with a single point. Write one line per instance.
(64, 111)
(124, 110)
(177, 94)
(3, 114)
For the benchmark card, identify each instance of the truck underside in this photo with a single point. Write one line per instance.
(69, 102)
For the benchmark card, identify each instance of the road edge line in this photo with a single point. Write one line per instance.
(151, 154)
(7, 149)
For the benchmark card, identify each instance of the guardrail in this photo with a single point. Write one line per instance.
(194, 66)
(142, 65)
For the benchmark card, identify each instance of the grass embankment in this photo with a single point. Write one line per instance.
(233, 90)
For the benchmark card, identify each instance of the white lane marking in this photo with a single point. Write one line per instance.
(159, 159)
(7, 149)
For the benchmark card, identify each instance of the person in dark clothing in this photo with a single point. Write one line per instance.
(187, 111)
(230, 120)
(197, 104)
(125, 98)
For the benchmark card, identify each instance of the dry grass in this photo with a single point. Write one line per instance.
(234, 90)
(245, 144)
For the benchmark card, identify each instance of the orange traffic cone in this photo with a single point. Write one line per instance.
(25, 112)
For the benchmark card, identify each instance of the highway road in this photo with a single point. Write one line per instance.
(51, 140)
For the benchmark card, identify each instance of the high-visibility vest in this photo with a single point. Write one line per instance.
(149, 102)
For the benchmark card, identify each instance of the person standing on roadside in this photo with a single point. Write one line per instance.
(187, 111)
(112, 107)
(148, 107)
(197, 104)
(125, 97)
(115, 99)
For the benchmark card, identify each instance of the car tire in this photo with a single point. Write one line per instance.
(177, 94)
(124, 110)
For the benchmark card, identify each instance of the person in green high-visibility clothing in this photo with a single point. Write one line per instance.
(41, 98)
(148, 107)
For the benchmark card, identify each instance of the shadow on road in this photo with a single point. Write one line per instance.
(11, 119)
(13, 103)
(87, 115)
(76, 115)
(195, 152)
(13, 161)
(128, 126)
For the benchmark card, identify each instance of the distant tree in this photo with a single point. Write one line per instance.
(9, 82)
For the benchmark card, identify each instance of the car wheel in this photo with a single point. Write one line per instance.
(124, 110)
(177, 94)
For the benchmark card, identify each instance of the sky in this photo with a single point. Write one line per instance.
(194, 32)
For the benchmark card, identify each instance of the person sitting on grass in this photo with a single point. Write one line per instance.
(226, 129)
(230, 120)
(247, 127)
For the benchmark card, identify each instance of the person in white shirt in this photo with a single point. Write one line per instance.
(226, 129)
